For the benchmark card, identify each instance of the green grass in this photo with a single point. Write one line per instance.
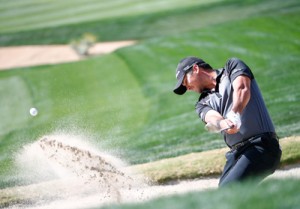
(273, 194)
(124, 101)
(32, 14)
(206, 163)
(95, 109)
(61, 101)
(254, 40)
(164, 20)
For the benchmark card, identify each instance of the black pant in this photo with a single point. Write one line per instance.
(259, 158)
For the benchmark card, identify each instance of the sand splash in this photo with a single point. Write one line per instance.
(63, 171)
(72, 174)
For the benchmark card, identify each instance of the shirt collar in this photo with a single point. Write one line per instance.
(218, 79)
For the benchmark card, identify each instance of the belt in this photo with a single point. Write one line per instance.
(248, 141)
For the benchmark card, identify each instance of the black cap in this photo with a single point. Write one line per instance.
(183, 67)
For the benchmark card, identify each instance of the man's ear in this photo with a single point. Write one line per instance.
(196, 68)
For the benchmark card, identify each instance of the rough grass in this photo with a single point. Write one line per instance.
(273, 194)
(178, 129)
(207, 163)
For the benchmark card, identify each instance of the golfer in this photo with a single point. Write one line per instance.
(231, 101)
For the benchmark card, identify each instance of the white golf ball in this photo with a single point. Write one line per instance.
(33, 111)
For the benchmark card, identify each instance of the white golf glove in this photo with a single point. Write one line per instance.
(235, 118)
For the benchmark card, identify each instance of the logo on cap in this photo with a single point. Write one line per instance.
(177, 74)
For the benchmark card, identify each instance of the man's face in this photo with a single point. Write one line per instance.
(193, 80)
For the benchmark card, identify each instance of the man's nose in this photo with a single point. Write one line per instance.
(189, 88)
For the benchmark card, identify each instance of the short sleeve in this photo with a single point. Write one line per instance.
(202, 107)
(210, 102)
(236, 67)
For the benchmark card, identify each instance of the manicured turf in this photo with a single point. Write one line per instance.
(33, 14)
(124, 101)
(254, 41)
(157, 21)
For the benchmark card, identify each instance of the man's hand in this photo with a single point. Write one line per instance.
(233, 120)
(219, 126)
(217, 123)
(228, 126)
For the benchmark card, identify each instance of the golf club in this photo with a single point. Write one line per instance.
(214, 129)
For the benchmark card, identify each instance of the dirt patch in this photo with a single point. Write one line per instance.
(25, 56)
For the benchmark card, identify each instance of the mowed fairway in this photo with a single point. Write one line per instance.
(33, 14)
(123, 102)
(143, 20)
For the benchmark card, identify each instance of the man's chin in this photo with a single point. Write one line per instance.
(204, 90)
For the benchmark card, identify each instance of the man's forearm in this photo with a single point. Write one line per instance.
(241, 93)
(213, 117)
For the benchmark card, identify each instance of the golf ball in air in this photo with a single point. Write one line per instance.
(33, 111)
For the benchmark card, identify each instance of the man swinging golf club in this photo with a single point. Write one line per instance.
(231, 102)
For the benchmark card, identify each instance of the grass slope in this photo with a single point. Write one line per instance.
(175, 19)
(124, 101)
(205, 164)
(71, 98)
(32, 14)
(255, 41)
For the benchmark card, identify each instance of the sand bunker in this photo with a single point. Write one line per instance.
(64, 171)
(25, 56)
(69, 173)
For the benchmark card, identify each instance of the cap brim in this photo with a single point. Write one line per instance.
(179, 88)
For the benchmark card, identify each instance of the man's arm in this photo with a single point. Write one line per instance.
(207, 111)
(217, 120)
(241, 97)
(241, 93)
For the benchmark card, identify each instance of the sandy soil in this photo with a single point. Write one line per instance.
(86, 177)
(24, 56)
